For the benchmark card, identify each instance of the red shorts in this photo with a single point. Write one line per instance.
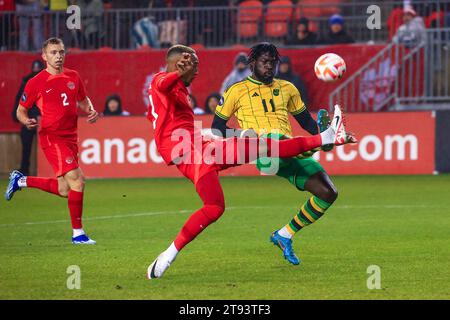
(208, 160)
(62, 156)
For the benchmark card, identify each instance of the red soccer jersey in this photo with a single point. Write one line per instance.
(56, 96)
(169, 110)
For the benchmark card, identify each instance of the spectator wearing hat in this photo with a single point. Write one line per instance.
(285, 72)
(239, 73)
(27, 136)
(337, 33)
(412, 32)
(303, 36)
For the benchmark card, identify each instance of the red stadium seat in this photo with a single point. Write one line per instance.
(278, 17)
(312, 9)
(250, 13)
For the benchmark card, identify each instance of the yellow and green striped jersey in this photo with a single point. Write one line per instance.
(262, 107)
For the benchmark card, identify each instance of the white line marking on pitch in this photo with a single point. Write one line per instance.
(155, 213)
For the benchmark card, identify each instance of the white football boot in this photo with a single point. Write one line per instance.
(340, 136)
(158, 267)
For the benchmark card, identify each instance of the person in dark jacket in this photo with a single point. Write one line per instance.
(303, 36)
(27, 136)
(285, 73)
(113, 106)
(337, 33)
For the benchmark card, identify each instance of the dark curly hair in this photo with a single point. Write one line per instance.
(259, 49)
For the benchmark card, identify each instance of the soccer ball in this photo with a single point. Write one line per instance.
(329, 67)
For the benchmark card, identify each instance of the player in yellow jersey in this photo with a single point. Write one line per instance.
(262, 105)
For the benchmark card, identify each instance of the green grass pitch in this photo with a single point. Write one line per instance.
(399, 223)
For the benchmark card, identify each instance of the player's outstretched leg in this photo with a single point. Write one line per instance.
(210, 191)
(70, 186)
(292, 147)
(17, 181)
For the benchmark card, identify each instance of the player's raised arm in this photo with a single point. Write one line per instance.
(86, 106)
(166, 82)
(22, 116)
(179, 65)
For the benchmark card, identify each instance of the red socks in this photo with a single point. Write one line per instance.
(196, 223)
(75, 198)
(75, 201)
(45, 184)
(209, 189)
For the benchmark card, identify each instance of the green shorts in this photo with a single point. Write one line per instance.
(296, 170)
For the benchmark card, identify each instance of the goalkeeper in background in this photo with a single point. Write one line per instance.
(262, 105)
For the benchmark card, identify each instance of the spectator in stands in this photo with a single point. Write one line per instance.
(337, 33)
(285, 72)
(172, 27)
(27, 10)
(91, 20)
(57, 5)
(436, 19)
(210, 24)
(194, 105)
(128, 4)
(303, 36)
(145, 33)
(412, 32)
(239, 73)
(27, 136)
(395, 20)
(113, 106)
(73, 37)
(211, 102)
(6, 21)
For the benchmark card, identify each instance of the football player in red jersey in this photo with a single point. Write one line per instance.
(200, 159)
(58, 92)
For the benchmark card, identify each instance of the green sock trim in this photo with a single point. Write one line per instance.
(293, 226)
(303, 219)
(311, 211)
(322, 204)
(315, 215)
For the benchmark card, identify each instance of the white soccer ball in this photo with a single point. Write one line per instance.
(330, 67)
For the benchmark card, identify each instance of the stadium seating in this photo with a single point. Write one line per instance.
(312, 9)
(278, 18)
(250, 13)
